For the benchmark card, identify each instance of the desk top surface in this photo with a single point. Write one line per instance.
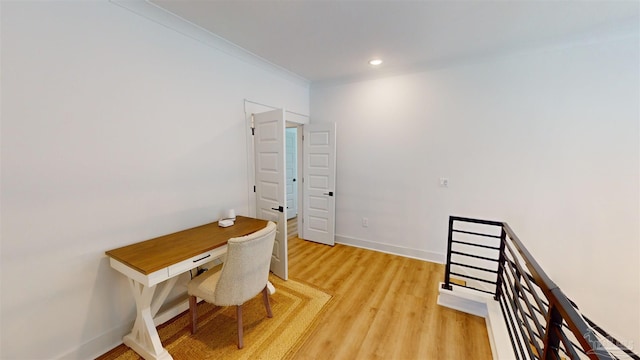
(158, 253)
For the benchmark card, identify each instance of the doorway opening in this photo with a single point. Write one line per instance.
(292, 138)
(309, 210)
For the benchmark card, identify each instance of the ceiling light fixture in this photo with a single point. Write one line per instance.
(375, 62)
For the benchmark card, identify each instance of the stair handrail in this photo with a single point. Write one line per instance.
(561, 312)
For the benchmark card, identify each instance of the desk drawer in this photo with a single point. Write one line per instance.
(196, 261)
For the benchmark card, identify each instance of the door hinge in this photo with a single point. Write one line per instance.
(254, 188)
(253, 124)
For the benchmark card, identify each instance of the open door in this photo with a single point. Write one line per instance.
(319, 179)
(291, 149)
(270, 169)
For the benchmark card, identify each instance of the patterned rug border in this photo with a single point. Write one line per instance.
(293, 348)
(314, 324)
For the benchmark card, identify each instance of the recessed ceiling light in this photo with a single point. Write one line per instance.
(375, 62)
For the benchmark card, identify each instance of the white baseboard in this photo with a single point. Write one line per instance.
(101, 344)
(96, 346)
(392, 249)
(464, 300)
(113, 337)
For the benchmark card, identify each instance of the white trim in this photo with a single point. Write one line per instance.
(113, 338)
(161, 16)
(435, 257)
(296, 118)
(483, 305)
(471, 282)
(253, 107)
(96, 346)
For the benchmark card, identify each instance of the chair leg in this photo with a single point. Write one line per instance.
(240, 331)
(267, 305)
(193, 309)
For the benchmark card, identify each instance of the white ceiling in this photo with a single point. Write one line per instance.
(333, 40)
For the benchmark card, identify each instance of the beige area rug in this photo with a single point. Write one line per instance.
(296, 307)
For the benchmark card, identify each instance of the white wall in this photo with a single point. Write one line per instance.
(546, 140)
(115, 129)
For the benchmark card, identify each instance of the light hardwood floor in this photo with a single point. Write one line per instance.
(383, 307)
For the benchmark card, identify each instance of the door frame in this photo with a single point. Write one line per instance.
(296, 176)
(250, 108)
(291, 119)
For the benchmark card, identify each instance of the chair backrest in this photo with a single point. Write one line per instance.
(245, 271)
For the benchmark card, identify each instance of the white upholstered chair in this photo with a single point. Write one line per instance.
(244, 275)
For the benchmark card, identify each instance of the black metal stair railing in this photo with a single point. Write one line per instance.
(541, 321)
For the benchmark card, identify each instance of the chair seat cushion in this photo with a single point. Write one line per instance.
(204, 285)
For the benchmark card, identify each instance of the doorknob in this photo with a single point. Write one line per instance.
(294, 179)
(279, 208)
(330, 193)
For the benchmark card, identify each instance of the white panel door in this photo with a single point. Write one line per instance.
(292, 172)
(269, 145)
(319, 176)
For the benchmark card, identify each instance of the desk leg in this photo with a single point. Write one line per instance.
(144, 338)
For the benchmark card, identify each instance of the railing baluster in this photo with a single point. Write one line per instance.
(551, 339)
(518, 275)
(503, 237)
(447, 270)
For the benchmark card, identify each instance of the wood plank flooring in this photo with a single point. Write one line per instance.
(384, 307)
(292, 227)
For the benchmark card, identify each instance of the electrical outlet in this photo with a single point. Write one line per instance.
(365, 222)
(444, 182)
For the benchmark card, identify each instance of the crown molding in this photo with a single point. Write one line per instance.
(163, 17)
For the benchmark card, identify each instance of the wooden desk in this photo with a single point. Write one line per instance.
(160, 260)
